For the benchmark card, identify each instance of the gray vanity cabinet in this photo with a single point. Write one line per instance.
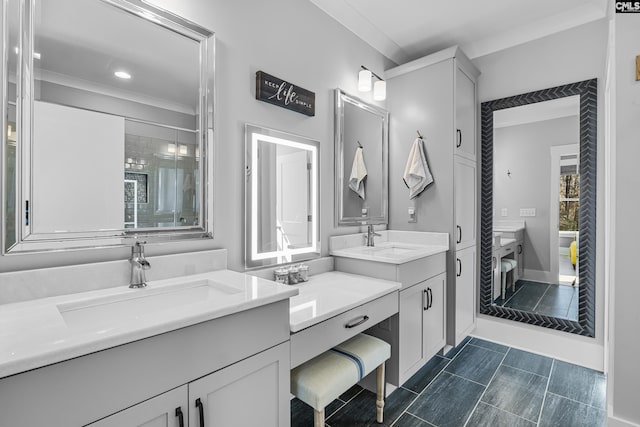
(262, 379)
(422, 317)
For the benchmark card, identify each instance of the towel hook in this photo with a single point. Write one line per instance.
(359, 145)
(419, 134)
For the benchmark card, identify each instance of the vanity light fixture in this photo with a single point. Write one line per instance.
(171, 148)
(182, 150)
(364, 84)
(122, 75)
(9, 131)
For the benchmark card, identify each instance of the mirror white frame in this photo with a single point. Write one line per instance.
(26, 239)
(254, 180)
(378, 214)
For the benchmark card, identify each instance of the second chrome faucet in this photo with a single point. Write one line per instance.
(371, 235)
(139, 265)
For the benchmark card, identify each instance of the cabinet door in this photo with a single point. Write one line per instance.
(412, 304)
(465, 315)
(252, 392)
(161, 411)
(465, 202)
(465, 116)
(433, 320)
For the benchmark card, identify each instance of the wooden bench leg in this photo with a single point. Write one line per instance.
(318, 418)
(380, 394)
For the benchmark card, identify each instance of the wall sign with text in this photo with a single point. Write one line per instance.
(284, 94)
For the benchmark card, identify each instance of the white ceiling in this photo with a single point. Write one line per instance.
(404, 30)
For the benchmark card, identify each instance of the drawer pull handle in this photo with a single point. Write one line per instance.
(519, 249)
(425, 300)
(459, 273)
(459, 234)
(430, 297)
(200, 411)
(180, 416)
(357, 322)
(459, 135)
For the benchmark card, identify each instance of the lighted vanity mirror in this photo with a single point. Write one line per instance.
(539, 178)
(281, 197)
(109, 118)
(361, 139)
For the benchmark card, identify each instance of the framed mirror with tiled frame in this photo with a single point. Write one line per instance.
(585, 324)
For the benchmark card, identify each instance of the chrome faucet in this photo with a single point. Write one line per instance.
(139, 265)
(370, 235)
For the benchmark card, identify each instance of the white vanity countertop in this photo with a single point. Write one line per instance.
(329, 294)
(392, 246)
(40, 332)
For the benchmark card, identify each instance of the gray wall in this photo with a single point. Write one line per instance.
(524, 150)
(569, 56)
(624, 377)
(291, 39)
(429, 109)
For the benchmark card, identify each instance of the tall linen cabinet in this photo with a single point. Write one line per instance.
(436, 96)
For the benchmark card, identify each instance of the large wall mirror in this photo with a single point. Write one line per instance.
(108, 118)
(282, 223)
(538, 213)
(362, 165)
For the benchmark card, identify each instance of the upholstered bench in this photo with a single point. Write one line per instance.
(322, 379)
(506, 266)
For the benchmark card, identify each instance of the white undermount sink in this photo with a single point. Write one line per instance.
(390, 246)
(138, 303)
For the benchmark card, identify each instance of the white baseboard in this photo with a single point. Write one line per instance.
(539, 276)
(619, 422)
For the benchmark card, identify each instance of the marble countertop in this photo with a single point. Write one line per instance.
(329, 294)
(40, 332)
(392, 246)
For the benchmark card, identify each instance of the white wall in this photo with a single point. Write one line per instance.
(573, 55)
(291, 39)
(624, 376)
(525, 151)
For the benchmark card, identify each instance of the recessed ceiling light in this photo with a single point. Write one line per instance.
(122, 75)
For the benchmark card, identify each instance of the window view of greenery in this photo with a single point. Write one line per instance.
(569, 202)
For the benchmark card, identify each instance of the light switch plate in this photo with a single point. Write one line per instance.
(504, 212)
(411, 211)
(527, 211)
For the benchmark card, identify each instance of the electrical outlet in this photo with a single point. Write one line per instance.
(527, 211)
(365, 212)
(504, 212)
(412, 214)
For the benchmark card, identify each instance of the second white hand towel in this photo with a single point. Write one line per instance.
(358, 174)
(416, 173)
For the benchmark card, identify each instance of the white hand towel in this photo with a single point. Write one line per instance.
(416, 173)
(358, 174)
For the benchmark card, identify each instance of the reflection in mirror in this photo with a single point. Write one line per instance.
(537, 261)
(535, 159)
(361, 143)
(114, 108)
(281, 197)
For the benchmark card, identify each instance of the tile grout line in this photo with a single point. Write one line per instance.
(467, 379)
(415, 416)
(508, 412)
(576, 401)
(524, 370)
(485, 388)
(427, 386)
(343, 405)
(539, 300)
(546, 390)
(485, 348)
(513, 295)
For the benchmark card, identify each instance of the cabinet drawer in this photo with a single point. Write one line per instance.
(417, 271)
(319, 338)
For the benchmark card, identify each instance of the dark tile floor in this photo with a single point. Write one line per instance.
(543, 298)
(478, 383)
